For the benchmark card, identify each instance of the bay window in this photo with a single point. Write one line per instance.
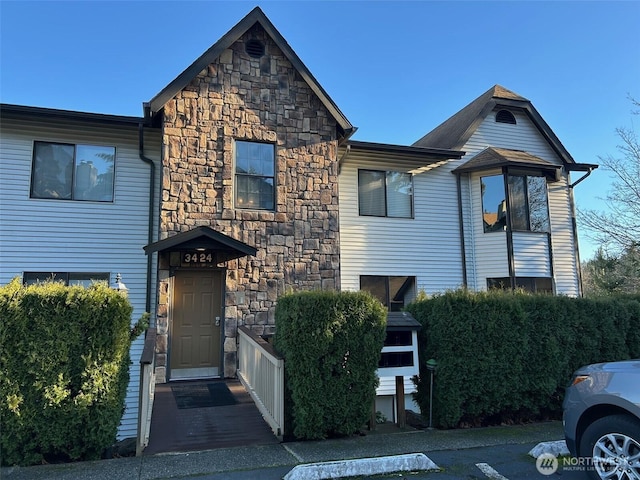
(528, 204)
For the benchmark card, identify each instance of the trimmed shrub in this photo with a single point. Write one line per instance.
(64, 370)
(331, 343)
(505, 356)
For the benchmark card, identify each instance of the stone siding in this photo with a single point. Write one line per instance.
(243, 98)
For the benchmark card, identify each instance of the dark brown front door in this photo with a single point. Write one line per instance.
(196, 315)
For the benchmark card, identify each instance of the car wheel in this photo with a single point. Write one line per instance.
(612, 445)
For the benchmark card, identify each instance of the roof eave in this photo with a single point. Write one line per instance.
(69, 114)
(436, 153)
(551, 137)
(582, 167)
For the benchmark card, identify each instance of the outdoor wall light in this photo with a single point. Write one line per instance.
(119, 286)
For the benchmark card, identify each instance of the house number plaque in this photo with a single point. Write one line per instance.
(195, 257)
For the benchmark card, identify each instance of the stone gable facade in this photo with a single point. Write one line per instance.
(239, 97)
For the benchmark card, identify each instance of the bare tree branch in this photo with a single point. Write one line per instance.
(617, 228)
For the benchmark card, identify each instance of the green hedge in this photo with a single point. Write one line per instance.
(331, 343)
(504, 356)
(64, 370)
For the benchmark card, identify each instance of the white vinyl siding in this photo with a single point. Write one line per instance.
(426, 246)
(531, 254)
(387, 386)
(486, 252)
(41, 235)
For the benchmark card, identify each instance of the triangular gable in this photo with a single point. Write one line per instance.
(255, 16)
(457, 130)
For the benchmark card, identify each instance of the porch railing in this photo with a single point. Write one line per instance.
(261, 371)
(147, 389)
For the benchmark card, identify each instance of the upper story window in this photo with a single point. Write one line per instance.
(385, 194)
(529, 208)
(255, 170)
(505, 116)
(73, 172)
(393, 292)
(68, 278)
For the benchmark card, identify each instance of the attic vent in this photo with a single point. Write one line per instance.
(505, 116)
(255, 48)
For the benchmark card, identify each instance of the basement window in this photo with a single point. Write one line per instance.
(393, 292)
(68, 278)
(505, 116)
(528, 284)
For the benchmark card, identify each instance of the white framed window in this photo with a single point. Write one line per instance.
(255, 175)
(385, 194)
(64, 171)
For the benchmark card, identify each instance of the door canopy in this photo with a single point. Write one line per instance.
(203, 238)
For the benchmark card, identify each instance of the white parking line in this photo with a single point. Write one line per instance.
(490, 472)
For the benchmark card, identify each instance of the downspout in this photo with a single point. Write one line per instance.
(152, 187)
(461, 220)
(581, 178)
(574, 226)
(343, 158)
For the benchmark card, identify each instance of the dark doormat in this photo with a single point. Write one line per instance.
(202, 395)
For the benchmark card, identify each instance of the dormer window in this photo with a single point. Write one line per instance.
(505, 116)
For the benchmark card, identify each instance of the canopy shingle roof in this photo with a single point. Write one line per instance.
(494, 157)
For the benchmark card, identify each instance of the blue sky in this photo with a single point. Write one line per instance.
(396, 69)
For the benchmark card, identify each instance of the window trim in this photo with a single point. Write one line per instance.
(75, 146)
(249, 175)
(386, 195)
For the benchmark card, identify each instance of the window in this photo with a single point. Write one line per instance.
(393, 292)
(385, 194)
(255, 167)
(528, 284)
(529, 209)
(73, 172)
(68, 278)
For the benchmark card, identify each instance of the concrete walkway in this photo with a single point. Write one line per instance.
(210, 462)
